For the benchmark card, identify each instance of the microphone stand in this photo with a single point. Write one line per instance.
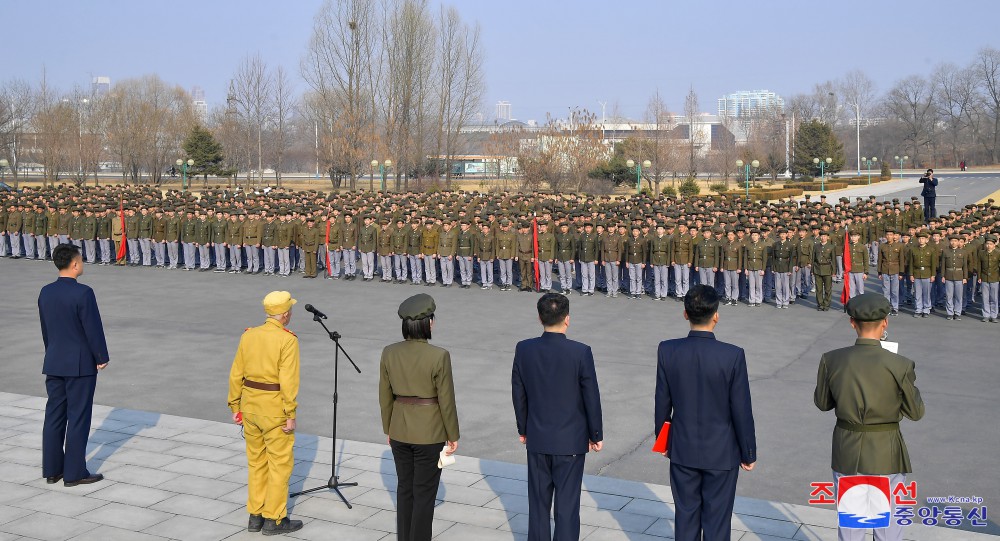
(334, 483)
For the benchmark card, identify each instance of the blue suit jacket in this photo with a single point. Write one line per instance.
(702, 388)
(71, 329)
(556, 399)
(930, 187)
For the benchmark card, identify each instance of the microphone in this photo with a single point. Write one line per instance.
(314, 311)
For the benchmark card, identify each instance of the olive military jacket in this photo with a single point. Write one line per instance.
(659, 250)
(588, 247)
(368, 238)
(923, 261)
(954, 264)
(385, 240)
(506, 244)
(859, 258)
(708, 254)
(399, 240)
(413, 238)
(988, 265)
(804, 248)
(566, 247)
(636, 250)
(447, 242)
(683, 249)
(755, 255)
(890, 258)
(466, 243)
(824, 259)
(871, 389)
(414, 368)
(311, 239)
(782, 254)
(732, 255)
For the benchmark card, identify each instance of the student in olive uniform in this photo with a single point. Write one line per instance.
(349, 231)
(506, 250)
(334, 248)
(145, 236)
(384, 249)
(707, 254)
(682, 259)
(203, 236)
(414, 240)
(283, 240)
(446, 250)
(253, 230)
(419, 415)
(890, 266)
(755, 254)
(525, 257)
(311, 241)
(399, 249)
(588, 252)
(955, 271)
(367, 244)
(636, 253)
(659, 260)
(465, 251)
(486, 254)
(566, 255)
(263, 396)
(871, 389)
(781, 261)
(732, 268)
(104, 236)
(220, 238)
(988, 269)
(858, 271)
(189, 234)
(802, 277)
(923, 264)
(234, 238)
(269, 242)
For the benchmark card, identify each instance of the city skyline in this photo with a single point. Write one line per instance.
(556, 59)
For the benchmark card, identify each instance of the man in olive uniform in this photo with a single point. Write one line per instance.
(430, 237)
(525, 256)
(234, 237)
(871, 389)
(858, 271)
(146, 236)
(203, 240)
(399, 261)
(659, 259)
(681, 259)
(349, 245)
(189, 239)
(253, 230)
(824, 266)
(172, 237)
(88, 234)
(707, 255)
(52, 228)
(955, 272)
(367, 244)
(446, 250)
(221, 239)
(546, 256)
(988, 269)
(41, 230)
(782, 262)
(263, 393)
(104, 235)
(636, 253)
(755, 254)
(28, 231)
(923, 264)
(414, 241)
(732, 267)
(506, 250)
(465, 251)
(131, 234)
(802, 277)
(117, 233)
(890, 267)
(75, 229)
(283, 241)
(62, 225)
(159, 238)
(486, 253)
(334, 249)
(311, 240)
(588, 252)
(566, 255)
(14, 222)
(384, 249)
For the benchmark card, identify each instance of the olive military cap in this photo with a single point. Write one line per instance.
(868, 307)
(418, 306)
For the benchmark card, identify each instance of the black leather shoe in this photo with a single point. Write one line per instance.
(255, 524)
(53, 480)
(85, 481)
(285, 526)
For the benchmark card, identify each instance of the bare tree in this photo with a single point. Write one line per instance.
(858, 93)
(17, 105)
(910, 102)
(664, 147)
(284, 105)
(954, 97)
(252, 97)
(694, 134)
(988, 67)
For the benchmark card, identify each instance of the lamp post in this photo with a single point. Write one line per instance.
(746, 173)
(901, 160)
(822, 172)
(3, 168)
(638, 173)
(869, 162)
(184, 172)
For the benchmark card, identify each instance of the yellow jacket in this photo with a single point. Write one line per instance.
(267, 354)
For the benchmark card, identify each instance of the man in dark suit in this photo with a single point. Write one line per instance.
(703, 390)
(929, 193)
(75, 350)
(557, 405)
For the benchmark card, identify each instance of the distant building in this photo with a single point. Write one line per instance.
(503, 111)
(99, 86)
(199, 104)
(747, 102)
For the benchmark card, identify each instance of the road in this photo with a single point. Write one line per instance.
(954, 190)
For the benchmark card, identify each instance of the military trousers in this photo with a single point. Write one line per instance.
(545, 275)
(4, 252)
(682, 279)
(954, 291)
(189, 255)
(172, 254)
(806, 281)
(29, 245)
(41, 243)
(385, 262)
(284, 264)
(506, 272)
(635, 279)
(252, 257)
(447, 270)
(486, 272)
(527, 271)
(732, 281)
(220, 256)
(368, 265)
(588, 276)
(782, 288)
(756, 279)
(160, 251)
(612, 277)
(133, 251)
(416, 268)
(310, 263)
(465, 270)
(565, 269)
(824, 290)
(893, 533)
(991, 296)
(15, 244)
(857, 281)
(890, 289)
(146, 245)
(235, 257)
(399, 264)
(350, 262)
(840, 268)
(90, 245)
(53, 242)
(922, 295)
(105, 245)
(205, 255)
(270, 458)
(430, 269)
(706, 276)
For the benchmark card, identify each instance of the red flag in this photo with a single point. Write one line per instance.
(534, 234)
(329, 272)
(845, 294)
(121, 216)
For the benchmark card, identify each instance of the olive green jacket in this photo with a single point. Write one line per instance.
(868, 385)
(414, 368)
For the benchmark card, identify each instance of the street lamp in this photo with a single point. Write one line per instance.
(869, 162)
(3, 168)
(382, 168)
(901, 160)
(184, 172)
(746, 173)
(638, 173)
(822, 171)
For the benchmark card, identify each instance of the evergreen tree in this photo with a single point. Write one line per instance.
(201, 146)
(815, 139)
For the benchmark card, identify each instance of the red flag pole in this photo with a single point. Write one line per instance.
(845, 293)
(121, 216)
(329, 272)
(534, 233)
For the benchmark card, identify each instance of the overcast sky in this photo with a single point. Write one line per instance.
(541, 55)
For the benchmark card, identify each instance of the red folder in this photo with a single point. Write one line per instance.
(661, 441)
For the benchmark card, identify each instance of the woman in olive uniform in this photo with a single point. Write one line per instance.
(417, 397)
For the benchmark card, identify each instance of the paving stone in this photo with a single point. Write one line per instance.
(195, 506)
(66, 505)
(333, 511)
(79, 490)
(133, 456)
(132, 494)
(764, 526)
(16, 492)
(46, 527)
(138, 475)
(318, 530)
(202, 468)
(502, 485)
(464, 532)
(22, 455)
(105, 436)
(155, 445)
(199, 486)
(128, 517)
(9, 513)
(619, 520)
(192, 529)
(469, 514)
(466, 495)
(19, 473)
(519, 524)
(110, 533)
(204, 452)
(650, 508)
(385, 521)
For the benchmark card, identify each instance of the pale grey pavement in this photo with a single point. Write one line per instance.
(170, 477)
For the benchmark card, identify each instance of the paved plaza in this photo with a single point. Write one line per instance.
(170, 477)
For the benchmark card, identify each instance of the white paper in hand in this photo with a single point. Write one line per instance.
(890, 346)
(445, 459)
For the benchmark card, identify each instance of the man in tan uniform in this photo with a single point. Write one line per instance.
(263, 386)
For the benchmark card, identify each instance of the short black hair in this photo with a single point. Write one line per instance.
(552, 309)
(701, 303)
(417, 329)
(64, 254)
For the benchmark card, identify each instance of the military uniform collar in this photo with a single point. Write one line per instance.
(867, 342)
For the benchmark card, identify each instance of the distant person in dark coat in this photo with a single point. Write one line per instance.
(75, 350)
(557, 405)
(702, 388)
(929, 193)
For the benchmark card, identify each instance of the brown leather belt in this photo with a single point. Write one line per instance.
(416, 400)
(261, 386)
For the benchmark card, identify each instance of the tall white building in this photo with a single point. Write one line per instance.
(503, 111)
(749, 101)
(100, 86)
(199, 104)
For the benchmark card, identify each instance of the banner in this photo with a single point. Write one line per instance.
(121, 216)
(845, 293)
(534, 235)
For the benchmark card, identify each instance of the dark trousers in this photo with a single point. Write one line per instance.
(929, 210)
(561, 475)
(418, 478)
(824, 290)
(67, 426)
(703, 502)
